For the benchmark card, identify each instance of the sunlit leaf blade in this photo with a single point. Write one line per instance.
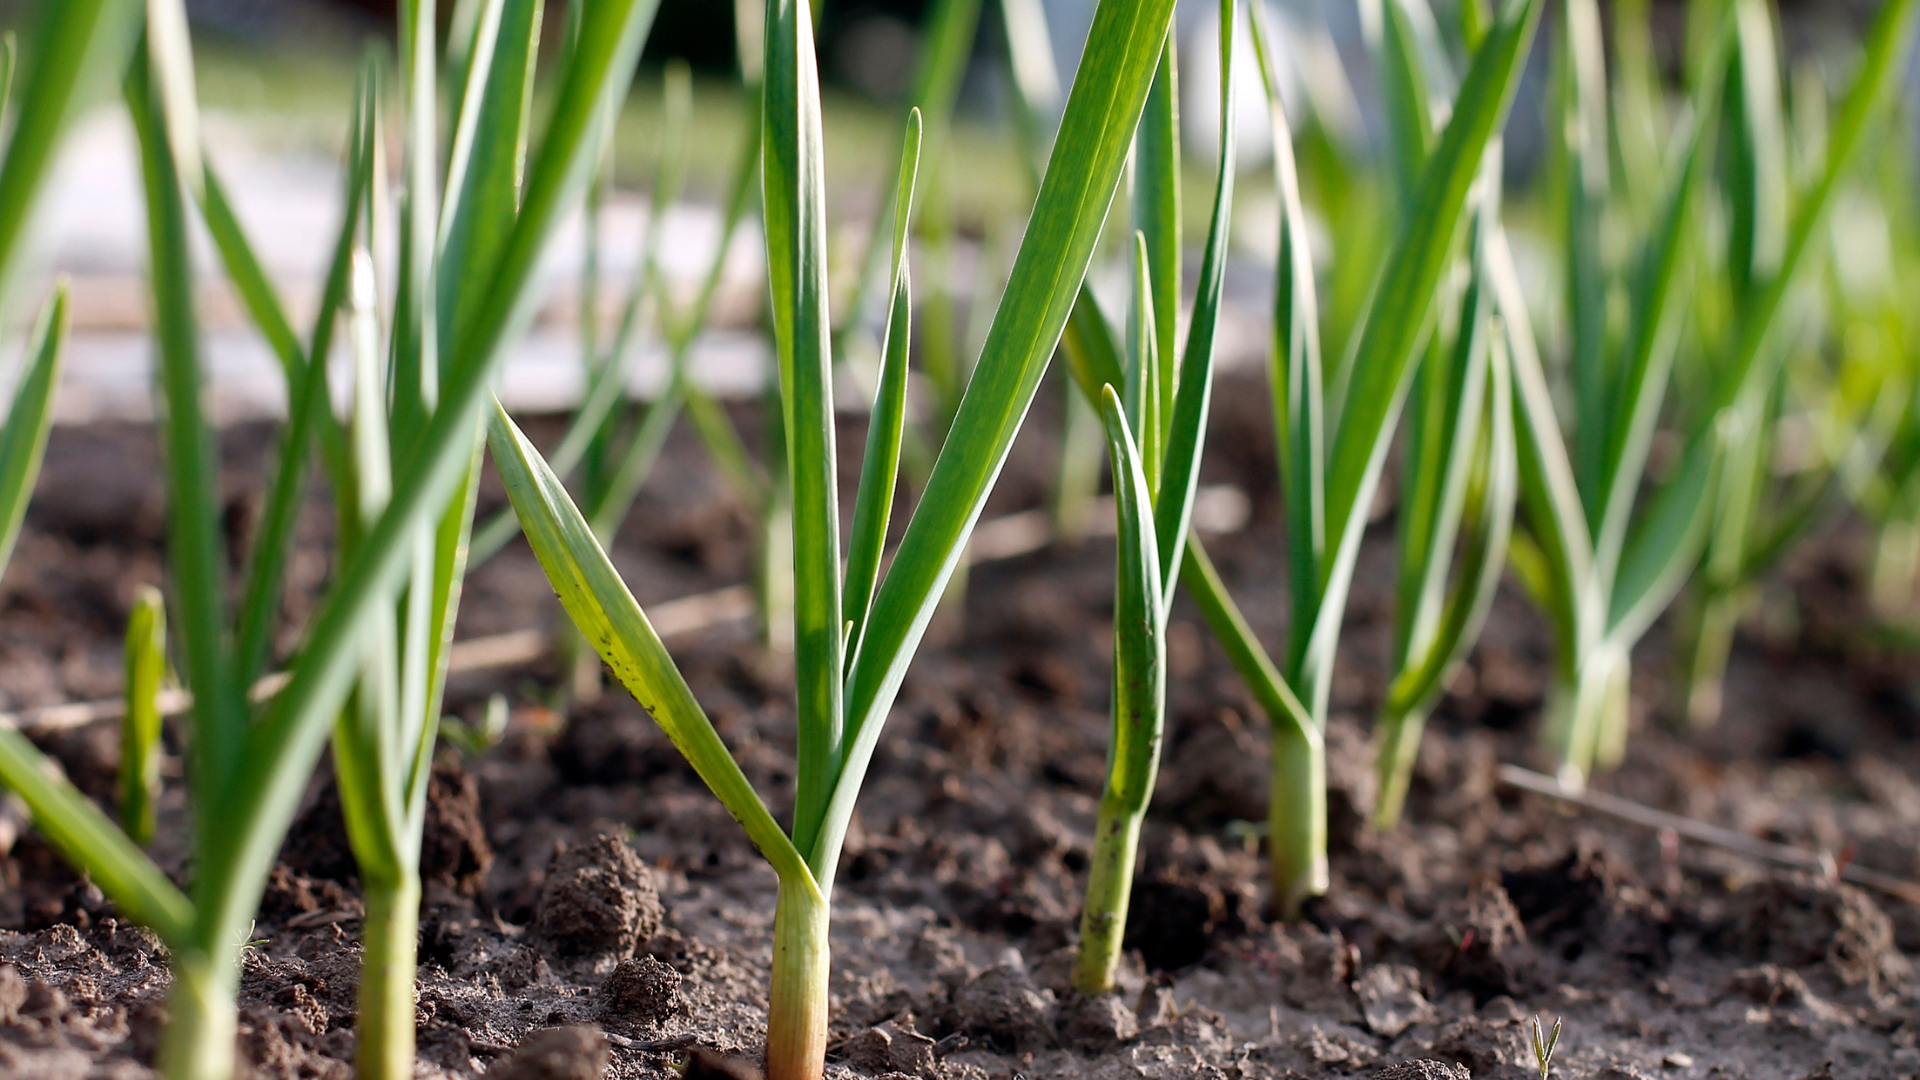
(1642, 384)
(76, 51)
(1663, 549)
(606, 613)
(1488, 513)
(146, 670)
(1588, 178)
(880, 467)
(1886, 47)
(489, 151)
(1556, 525)
(414, 360)
(1139, 673)
(309, 408)
(1156, 217)
(1295, 376)
(196, 554)
(1140, 394)
(1103, 109)
(9, 60)
(1757, 174)
(1408, 48)
(1655, 562)
(89, 840)
(1088, 345)
(430, 464)
(1192, 401)
(1444, 446)
(30, 418)
(1399, 314)
(793, 195)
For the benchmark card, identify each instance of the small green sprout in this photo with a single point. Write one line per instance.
(475, 739)
(1543, 1044)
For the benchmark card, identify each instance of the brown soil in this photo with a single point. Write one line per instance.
(593, 910)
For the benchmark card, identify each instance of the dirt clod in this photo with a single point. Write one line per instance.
(1423, 1069)
(453, 848)
(1003, 1005)
(1390, 998)
(892, 1047)
(13, 993)
(599, 900)
(642, 992)
(560, 1053)
(1098, 1022)
(1800, 919)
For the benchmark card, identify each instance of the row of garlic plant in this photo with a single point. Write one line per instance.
(424, 346)
(1446, 328)
(855, 629)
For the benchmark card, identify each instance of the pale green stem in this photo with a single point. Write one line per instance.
(1714, 623)
(1896, 563)
(1586, 716)
(385, 1010)
(1610, 737)
(1103, 922)
(1393, 761)
(198, 1042)
(797, 1004)
(1297, 817)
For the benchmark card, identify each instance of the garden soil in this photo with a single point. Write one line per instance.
(592, 910)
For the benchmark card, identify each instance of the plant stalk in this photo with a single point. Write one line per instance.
(198, 1041)
(1586, 716)
(385, 1009)
(1896, 564)
(1393, 763)
(1714, 622)
(1103, 921)
(797, 1006)
(1297, 817)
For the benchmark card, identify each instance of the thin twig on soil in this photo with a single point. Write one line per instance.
(1712, 835)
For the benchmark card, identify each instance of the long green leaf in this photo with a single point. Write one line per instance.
(309, 407)
(1588, 179)
(146, 670)
(195, 549)
(880, 467)
(30, 418)
(1122, 50)
(489, 151)
(605, 611)
(1400, 312)
(1295, 376)
(1187, 418)
(90, 840)
(78, 48)
(429, 467)
(1156, 217)
(1139, 621)
(793, 171)
(1141, 391)
(1637, 397)
(1557, 525)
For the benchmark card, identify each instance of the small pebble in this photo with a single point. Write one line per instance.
(1677, 1060)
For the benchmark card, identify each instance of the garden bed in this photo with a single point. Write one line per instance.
(580, 874)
